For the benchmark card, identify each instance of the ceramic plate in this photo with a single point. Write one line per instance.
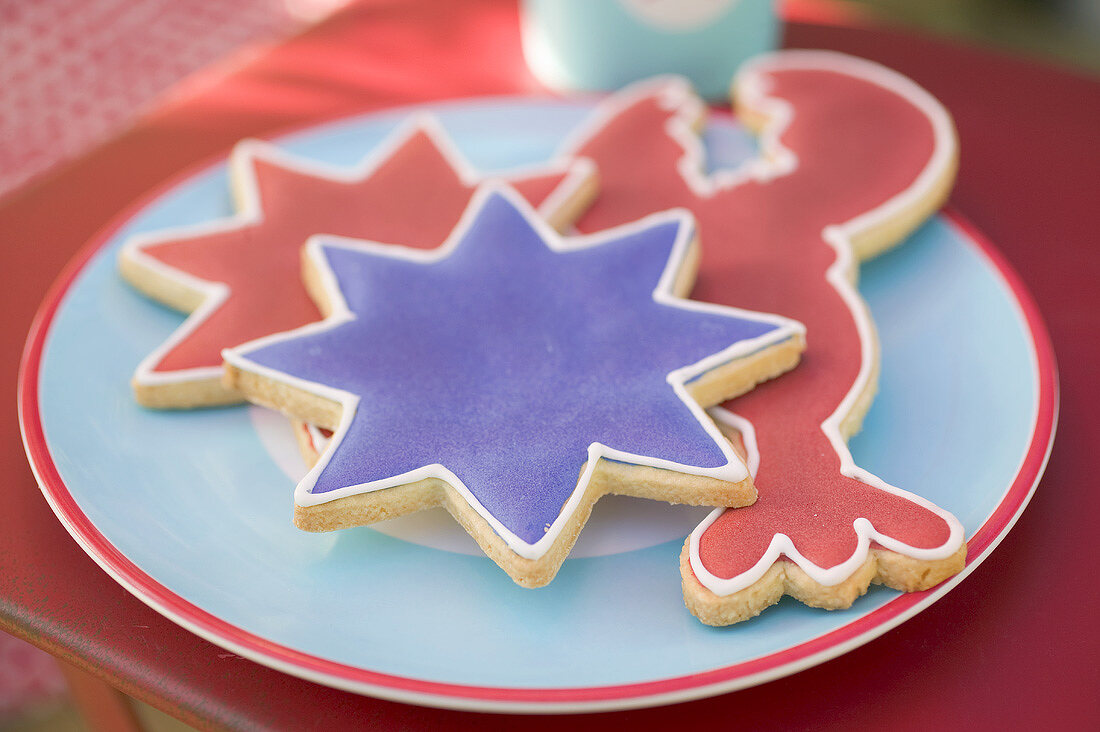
(191, 511)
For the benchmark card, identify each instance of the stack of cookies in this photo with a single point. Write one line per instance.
(618, 320)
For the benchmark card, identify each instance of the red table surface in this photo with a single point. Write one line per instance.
(1016, 644)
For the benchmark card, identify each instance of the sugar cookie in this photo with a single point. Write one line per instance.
(488, 374)
(852, 157)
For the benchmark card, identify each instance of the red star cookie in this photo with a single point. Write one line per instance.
(240, 277)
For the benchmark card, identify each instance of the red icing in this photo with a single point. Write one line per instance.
(414, 198)
(857, 145)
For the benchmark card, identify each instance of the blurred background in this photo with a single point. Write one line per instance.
(73, 73)
(1061, 32)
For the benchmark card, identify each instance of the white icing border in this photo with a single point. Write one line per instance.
(245, 190)
(751, 86)
(733, 471)
(317, 441)
(676, 95)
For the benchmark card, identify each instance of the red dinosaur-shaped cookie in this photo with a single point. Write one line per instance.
(853, 157)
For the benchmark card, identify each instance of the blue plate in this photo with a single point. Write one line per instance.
(191, 510)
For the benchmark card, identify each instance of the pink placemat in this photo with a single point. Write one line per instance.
(73, 74)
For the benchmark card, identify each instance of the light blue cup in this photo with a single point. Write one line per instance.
(596, 45)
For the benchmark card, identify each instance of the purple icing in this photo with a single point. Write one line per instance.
(504, 360)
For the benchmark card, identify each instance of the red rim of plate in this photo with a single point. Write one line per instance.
(486, 698)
